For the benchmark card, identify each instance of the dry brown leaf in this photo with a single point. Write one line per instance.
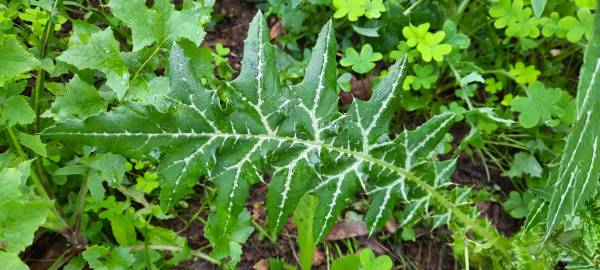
(261, 265)
(347, 229)
(276, 31)
(318, 258)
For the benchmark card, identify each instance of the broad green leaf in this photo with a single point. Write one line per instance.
(296, 134)
(104, 258)
(366, 31)
(228, 244)
(576, 179)
(122, 227)
(33, 142)
(76, 263)
(348, 262)
(80, 100)
(152, 92)
(524, 163)
(71, 170)
(14, 59)
(275, 264)
(12, 261)
(303, 218)
(162, 23)
(538, 7)
(16, 111)
(589, 4)
(19, 217)
(100, 52)
(111, 167)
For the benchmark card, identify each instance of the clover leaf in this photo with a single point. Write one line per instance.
(492, 86)
(363, 62)
(368, 261)
(516, 18)
(424, 78)
(524, 164)
(507, 13)
(415, 34)
(373, 8)
(550, 25)
(454, 38)
(404, 50)
(576, 28)
(354, 9)
(147, 183)
(524, 75)
(526, 26)
(507, 100)
(431, 47)
(454, 107)
(518, 205)
(540, 105)
(589, 4)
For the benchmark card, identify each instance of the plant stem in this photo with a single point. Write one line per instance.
(39, 187)
(76, 218)
(195, 253)
(409, 9)
(137, 72)
(36, 181)
(264, 232)
(41, 74)
(63, 258)
(139, 198)
(505, 73)
(39, 86)
(513, 145)
(461, 8)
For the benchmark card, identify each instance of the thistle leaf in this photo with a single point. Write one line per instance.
(296, 134)
(577, 176)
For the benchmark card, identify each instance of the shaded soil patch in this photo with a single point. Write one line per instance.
(231, 30)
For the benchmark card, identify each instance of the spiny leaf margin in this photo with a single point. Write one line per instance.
(265, 128)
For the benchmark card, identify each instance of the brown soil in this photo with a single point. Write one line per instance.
(231, 29)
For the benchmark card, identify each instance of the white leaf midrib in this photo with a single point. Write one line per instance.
(242, 136)
(361, 156)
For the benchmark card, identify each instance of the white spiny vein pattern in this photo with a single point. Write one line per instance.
(579, 167)
(584, 104)
(331, 157)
